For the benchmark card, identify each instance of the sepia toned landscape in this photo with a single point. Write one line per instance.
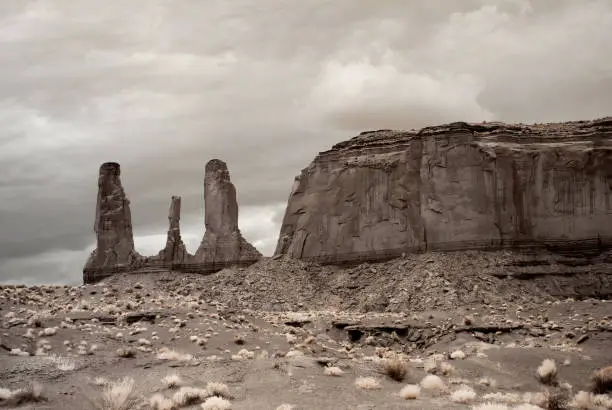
(426, 292)
(306, 205)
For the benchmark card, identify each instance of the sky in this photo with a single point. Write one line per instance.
(163, 86)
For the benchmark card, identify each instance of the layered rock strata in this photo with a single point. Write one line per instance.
(223, 245)
(222, 240)
(454, 186)
(113, 223)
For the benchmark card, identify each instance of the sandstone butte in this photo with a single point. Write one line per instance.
(222, 245)
(458, 186)
(453, 187)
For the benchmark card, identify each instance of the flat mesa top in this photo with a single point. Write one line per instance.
(598, 130)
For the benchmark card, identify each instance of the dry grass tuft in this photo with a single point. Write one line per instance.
(410, 391)
(556, 399)
(118, 395)
(187, 396)
(19, 397)
(602, 380)
(367, 383)
(458, 355)
(547, 373)
(126, 352)
(218, 389)
(165, 353)
(172, 381)
(433, 382)
(159, 402)
(396, 369)
(464, 394)
(333, 371)
(216, 403)
(491, 406)
(588, 401)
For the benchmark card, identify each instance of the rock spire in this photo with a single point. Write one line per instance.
(222, 240)
(113, 222)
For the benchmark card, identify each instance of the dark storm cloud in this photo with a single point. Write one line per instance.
(163, 86)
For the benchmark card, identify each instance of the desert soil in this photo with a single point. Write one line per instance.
(270, 333)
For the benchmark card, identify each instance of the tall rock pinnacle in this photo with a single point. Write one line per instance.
(222, 240)
(175, 251)
(113, 223)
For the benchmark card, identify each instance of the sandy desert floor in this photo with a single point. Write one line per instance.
(163, 341)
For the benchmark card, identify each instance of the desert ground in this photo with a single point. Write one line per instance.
(422, 332)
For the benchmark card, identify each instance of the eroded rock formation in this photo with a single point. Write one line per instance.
(175, 251)
(222, 240)
(222, 245)
(113, 222)
(455, 186)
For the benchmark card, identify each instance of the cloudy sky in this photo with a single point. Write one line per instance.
(162, 86)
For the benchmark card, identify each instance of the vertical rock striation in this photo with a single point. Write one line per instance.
(113, 223)
(175, 251)
(222, 245)
(222, 242)
(455, 186)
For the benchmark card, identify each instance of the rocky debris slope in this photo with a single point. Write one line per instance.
(222, 240)
(455, 186)
(113, 223)
(417, 282)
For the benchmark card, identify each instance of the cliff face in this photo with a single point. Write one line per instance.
(455, 186)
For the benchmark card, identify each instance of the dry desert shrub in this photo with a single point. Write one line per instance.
(433, 382)
(547, 373)
(117, 395)
(216, 403)
(463, 394)
(243, 354)
(396, 369)
(527, 406)
(19, 397)
(333, 371)
(159, 402)
(410, 391)
(446, 369)
(126, 352)
(499, 397)
(458, 355)
(218, 389)
(602, 380)
(487, 381)
(165, 353)
(556, 399)
(588, 401)
(491, 406)
(172, 381)
(187, 396)
(367, 383)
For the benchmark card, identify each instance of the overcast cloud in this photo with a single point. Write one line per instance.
(163, 86)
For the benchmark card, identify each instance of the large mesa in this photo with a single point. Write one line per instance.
(451, 187)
